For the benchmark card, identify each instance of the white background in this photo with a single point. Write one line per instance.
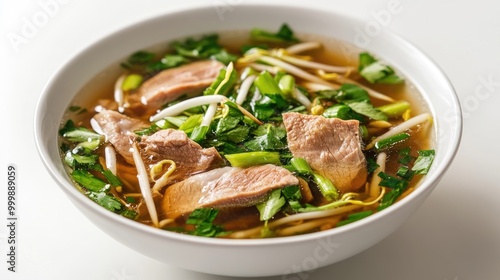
(455, 235)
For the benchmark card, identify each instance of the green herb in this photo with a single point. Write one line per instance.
(367, 109)
(405, 156)
(112, 178)
(398, 186)
(395, 109)
(77, 109)
(148, 130)
(107, 201)
(170, 122)
(355, 217)
(371, 164)
(222, 84)
(227, 123)
(140, 57)
(191, 122)
(80, 135)
(73, 160)
(88, 181)
(301, 166)
(375, 71)
(253, 158)
(390, 141)
(269, 138)
(132, 82)
(168, 61)
(326, 187)
(423, 162)
(284, 34)
(292, 193)
(293, 196)
(131, 214)
(287, 84)
(130, 199)
(203, 219)
(271, 206)
(204, 47)
(224, 57)
(391, 181)
(267, 84)
(199, 133)
(357, 99)
(342, 111)
(404, 172)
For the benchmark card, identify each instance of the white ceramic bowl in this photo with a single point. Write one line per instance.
(251, 257)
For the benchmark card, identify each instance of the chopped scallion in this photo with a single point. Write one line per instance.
(253, 158)
(388, 142)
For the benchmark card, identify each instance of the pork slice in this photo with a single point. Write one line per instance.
(170, 84)
(331, 146)
(225, 187)
(119, 130)
(189, 157)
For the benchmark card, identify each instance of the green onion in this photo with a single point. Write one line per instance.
(112, 178)
(132, 82)
(88, 181)
(301, 166)
(287, 84)
(131, 214)
(271, 206)
(395, 109)
(192, 122)
(107, 201)
(253, 158)
(266, 84)
(224, 82)
(199, 133)
(326, 187)
(355, 217)
(392, 182)
(405, 156)
(169, 121)
(423, 162)
(387, 142)
(284, 34)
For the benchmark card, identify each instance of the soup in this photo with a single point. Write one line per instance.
(260, 135)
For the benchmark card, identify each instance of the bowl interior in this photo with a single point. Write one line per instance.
(435, 88)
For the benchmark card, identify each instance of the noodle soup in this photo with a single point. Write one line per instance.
(250, 134)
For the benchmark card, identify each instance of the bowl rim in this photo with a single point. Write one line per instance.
(73, 193)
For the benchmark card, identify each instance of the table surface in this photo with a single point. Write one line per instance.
(454, 235)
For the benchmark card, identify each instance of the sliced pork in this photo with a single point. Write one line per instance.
(331, 146)
(170, 84)
(119, 130)
(175, 145)
(225, 187)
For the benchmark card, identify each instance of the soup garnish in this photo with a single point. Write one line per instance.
(268, 139)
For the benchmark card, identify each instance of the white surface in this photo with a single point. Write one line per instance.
(455, 235)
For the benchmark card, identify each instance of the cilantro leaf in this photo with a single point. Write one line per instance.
(202, 219)
(284, 34)
(375, 71)
(270, 138)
